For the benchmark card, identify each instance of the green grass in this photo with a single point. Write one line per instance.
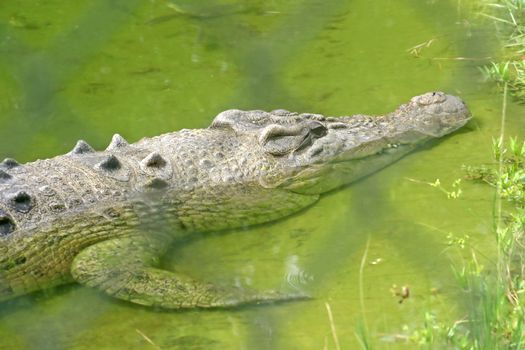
(508, 16)
(494, 292)
(497, 293)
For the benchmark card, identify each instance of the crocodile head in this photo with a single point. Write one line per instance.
(312, 154)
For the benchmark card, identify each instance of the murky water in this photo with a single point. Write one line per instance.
(88, 69)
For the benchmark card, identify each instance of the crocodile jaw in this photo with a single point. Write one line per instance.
(361, 145)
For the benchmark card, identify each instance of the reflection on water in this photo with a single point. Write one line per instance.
(90, 69)
(295, 276)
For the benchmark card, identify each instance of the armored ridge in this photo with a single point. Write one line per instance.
(105, 218)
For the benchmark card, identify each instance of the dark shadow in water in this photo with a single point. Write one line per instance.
(202, 9)
(262, 59)
(43, 74)
(55, 327)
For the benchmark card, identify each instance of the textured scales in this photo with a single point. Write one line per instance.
(104, 219)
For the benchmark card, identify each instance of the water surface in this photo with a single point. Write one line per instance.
(89, 69)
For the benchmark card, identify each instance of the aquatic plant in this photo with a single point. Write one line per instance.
(509, 18)
(494, 292)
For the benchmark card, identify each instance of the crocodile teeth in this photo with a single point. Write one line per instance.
(110, 163)
(22, 202)
(117, 142)
(154, 160)
(9, 163)
(82, 147)
(4, 175)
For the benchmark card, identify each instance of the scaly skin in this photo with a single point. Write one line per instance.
(104, 219)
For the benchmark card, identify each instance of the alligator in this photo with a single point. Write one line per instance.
(105, 218)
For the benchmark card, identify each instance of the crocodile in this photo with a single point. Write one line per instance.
(104, 219)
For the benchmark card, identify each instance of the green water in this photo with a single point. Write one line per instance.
(88, 69)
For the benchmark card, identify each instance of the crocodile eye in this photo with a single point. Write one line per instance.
(279, 140)
(6, 224)
(317, 129)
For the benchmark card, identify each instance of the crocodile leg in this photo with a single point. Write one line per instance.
(125, 268)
